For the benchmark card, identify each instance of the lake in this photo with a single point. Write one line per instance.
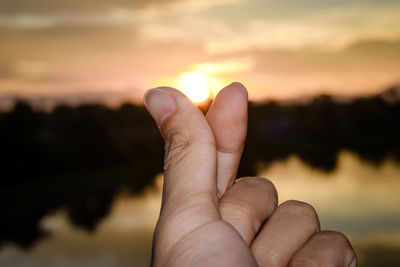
(358, 198)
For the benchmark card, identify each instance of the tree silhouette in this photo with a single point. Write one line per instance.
(80, 158)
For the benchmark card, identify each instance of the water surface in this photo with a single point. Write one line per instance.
(358, 198)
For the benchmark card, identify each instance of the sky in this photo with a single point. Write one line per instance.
(99, 50)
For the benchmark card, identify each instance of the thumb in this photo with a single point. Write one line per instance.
(190, 153)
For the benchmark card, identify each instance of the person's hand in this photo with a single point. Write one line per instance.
(209, 219)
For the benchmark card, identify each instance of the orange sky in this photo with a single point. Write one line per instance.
(98, 50)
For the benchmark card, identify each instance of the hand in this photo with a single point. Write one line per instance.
(208, 219)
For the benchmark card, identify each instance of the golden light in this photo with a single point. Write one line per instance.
(194, 86)
(204, 80)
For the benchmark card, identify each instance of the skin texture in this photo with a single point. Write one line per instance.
(209, 219)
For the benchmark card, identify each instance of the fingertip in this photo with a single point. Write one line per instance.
(240, 88)
(160, 103)
(234, 94)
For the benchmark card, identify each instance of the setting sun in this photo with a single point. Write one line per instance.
(194, 86)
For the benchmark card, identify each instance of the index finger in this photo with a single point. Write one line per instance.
(228, 120)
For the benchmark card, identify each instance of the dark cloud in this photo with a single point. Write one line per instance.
(56, 42)
(375, 46)
(372, 56)
(64, 6)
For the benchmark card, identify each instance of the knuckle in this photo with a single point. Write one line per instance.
(336, 237)
(174, 133)
(177, 138)
(302, 210)
(174, 147)
(181, 143)
(176, 141)
(260, 184)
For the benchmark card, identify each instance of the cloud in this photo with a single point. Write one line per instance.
(80, 41)
(24, 14)
(29, 21)
(323, 29)
(368, 56)
(184, 29)
(41, 7)
(223, 67)
(73, 6)
(363, 68)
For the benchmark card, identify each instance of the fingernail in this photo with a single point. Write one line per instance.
(159, 103)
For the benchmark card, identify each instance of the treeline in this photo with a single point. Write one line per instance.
(80, 158)
(317, 132)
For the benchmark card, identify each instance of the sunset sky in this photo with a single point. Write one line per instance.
(91, 50)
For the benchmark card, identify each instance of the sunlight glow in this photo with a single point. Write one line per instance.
(232, 66)
(204, 80)
(194, 86)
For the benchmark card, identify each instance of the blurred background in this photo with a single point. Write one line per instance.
(81, 160)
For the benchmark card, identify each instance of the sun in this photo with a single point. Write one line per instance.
(194, 86)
